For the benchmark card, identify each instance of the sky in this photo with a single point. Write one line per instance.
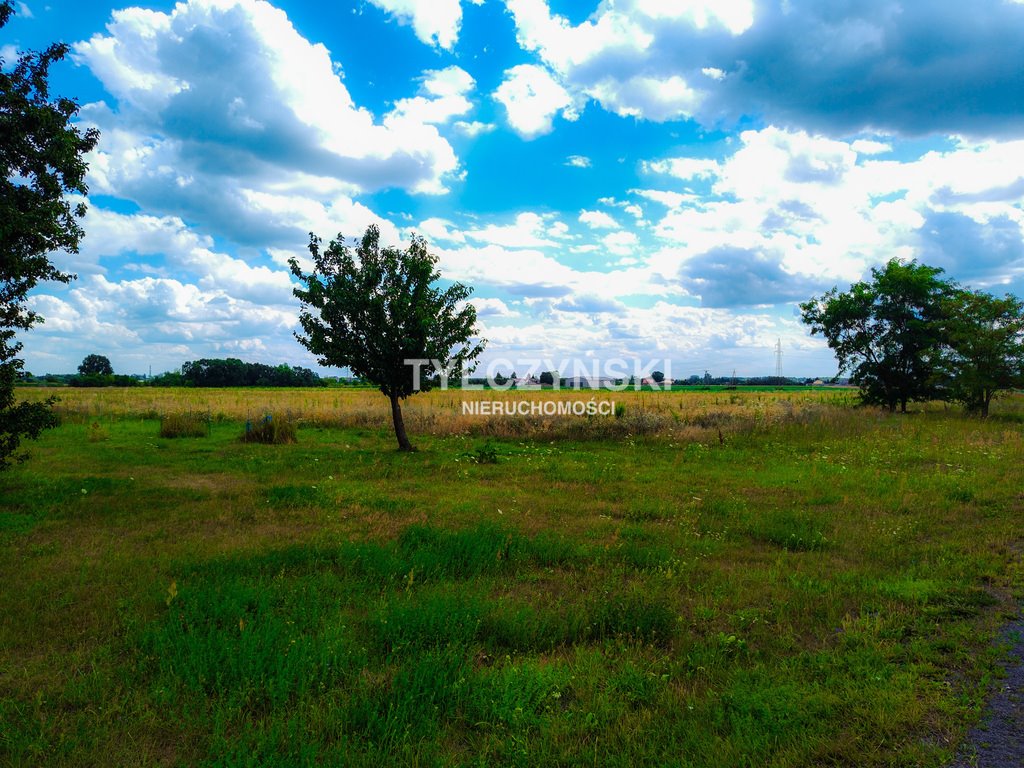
(641, 180)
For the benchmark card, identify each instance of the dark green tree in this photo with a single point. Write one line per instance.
(95, 365)
(233, 372)
(376, 310)
(658, 377)
(41, 154)
(885, 331)
(984, 347)
(167, 379)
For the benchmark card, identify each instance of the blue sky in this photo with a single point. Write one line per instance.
(640, 179)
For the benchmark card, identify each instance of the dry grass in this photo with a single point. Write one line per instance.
(698, 416)
(184, 424)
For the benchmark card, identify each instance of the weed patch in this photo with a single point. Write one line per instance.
(270, 430)
(184, 424)
(793, 531)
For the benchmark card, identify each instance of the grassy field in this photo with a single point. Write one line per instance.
(439, 413)
(710, 579)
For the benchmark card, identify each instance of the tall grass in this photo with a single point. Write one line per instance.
(685, 416)
(185, 424)
(270, 430)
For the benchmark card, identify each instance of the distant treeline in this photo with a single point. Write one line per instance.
(102, 380)
(547, 380)
(745, 381)
(231, 372)
(237, 373)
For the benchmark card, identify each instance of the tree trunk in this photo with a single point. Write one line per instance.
(903, 405)
(396, 417)
(985, 400)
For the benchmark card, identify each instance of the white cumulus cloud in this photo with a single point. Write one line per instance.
(598, 220)
(221, 100)
(845, 69)
(444, 97)
(435, 22)
(532, 98)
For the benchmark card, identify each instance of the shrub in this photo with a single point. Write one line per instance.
(270, 430)
(185, 424)
(97, 433)
(484, 454)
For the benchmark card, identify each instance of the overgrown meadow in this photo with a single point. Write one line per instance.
(705, 579)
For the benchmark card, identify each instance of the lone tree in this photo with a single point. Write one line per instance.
(41, 154)
(984, 347)
(377, 310)
(95, 365)
(886, 331)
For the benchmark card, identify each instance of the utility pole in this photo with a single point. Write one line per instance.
(778, 358)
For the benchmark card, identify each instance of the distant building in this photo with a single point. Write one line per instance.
(591, 382)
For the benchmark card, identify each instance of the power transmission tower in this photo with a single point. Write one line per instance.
(778, 358)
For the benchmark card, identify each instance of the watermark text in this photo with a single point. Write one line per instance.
(591, 407)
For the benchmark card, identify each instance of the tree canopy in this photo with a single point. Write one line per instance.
(378, 312)
(96, 365)
(909, 334)
(886, 332)
(984, 347)
(232, 372)
(42, 158)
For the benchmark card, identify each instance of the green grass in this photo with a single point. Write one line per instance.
(821, 592)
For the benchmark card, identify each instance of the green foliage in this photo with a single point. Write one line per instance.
(20, 420)
(909, 335)
(103, 380)
(41, 160)
(237, 373)
(376, 312)
(95, 365)
(167, 379)
(885, 332)
(270, 430)
(484, 454)
(185, 424)
(984, 347)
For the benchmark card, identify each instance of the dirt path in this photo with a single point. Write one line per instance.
(998, 741)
